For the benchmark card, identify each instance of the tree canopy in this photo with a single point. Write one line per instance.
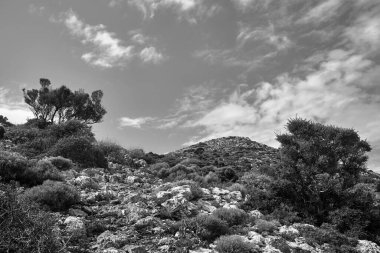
(61, 104)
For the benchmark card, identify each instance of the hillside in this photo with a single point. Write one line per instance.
(211, 197)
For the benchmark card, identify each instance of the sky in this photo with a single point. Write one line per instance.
(176, 72)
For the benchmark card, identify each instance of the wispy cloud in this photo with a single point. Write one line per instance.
(134, 122)
(322, 12)
(190, 10)
(107, 50)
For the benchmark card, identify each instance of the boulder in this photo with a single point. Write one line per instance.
(107, 239)
(75, 227)
(365, 246)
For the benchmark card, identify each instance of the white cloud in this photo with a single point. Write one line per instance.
(190, 10)
(322, 12)
(134, 122)
(151, 55)
(108, 51)
(16, 111)
(364, 34)
(333, 94)
(266, 35)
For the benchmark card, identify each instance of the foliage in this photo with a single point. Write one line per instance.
(61, 163)
(210, 227)
(266, 226)
(227, 174)
(12, 166)
(57, 196)
(321, 162)
(62, 104)
(79, 150)
(234, 244)
(40, 172)
(238, 187)
(232, 216)
(114, 153)
(25, 228)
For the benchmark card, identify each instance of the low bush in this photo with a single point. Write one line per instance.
(25, 228)
(234, 244)
(70, 128)
(42, 171)
(266, 226)
(238, 187)
(114, 153)
(232, 216)
(211, 178)
(227, 174)
(57, 196)
(196, 191)
(210, 227)
(12, 166)
(61, 163)
(80, 150)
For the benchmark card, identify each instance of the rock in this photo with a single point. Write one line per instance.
(256, 238)
(135, 249)
(201, 250)
(256, 214)
(288, 232)
(140, 163)
(77, 212)
(109, 240)
(300, 244)
(86, 182)
(110, 250)
(365, 246)
(135, 211)
(146, 222)
(75, 227)
(132, 179)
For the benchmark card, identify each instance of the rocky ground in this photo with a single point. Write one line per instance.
(125, 210)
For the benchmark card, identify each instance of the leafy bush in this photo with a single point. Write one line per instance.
(211, 178)
(232, 216)
(61, 163)
(196, 191)
(57, 196)
(234, 244)
(21, 134)
(157, 167)
(42, 171)
(114, 153)
(266, 226)
(25, 228)
(170, 159)
(80, 150)
(12, 166)
(210, 227)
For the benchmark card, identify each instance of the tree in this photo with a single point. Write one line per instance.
(61, 104)
(4, 121)
(322, 164)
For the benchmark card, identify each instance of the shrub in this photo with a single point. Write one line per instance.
(157, 167)
(170, 159)
(42, 171)
(136, 153)
(238, 187)
(57, 196)
(114, 152)
(21, 134)
(226, 174)
(234, 244)
(70, 128)
(12, 166)
(196, 191)
(210, 227)
(231, 215)
(61, 163)
(25, 228)
(81, 151)
(211, 178)
(266, 226)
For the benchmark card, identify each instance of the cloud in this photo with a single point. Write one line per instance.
(16, 111)
(135, 123)
(190, 10)
(364, 34)
(322, 12)
(108, 51)
(333, 93)
(151, 55)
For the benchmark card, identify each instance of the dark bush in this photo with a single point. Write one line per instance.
(61, 163)
(25, 228)
(235, 244)
(81, 151)
(231, 215)
(266, 226)
(227, 174)
(42, 171)
(210, 227)
(57, 196)
(70, 128)
(12, 166)
(170, 159)
(21, 134)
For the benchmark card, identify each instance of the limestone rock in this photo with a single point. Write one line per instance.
(365, 246)
(75, 227)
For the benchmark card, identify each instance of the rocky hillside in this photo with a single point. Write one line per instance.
(239, 152)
